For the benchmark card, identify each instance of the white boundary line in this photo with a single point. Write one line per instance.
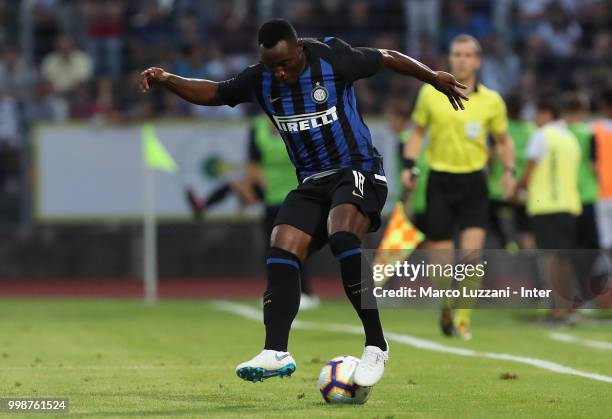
(254, 314)
(595, 344)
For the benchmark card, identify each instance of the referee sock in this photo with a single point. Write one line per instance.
(281, 300)
(346, 247)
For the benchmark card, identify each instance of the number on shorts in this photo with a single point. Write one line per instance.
(359, 179)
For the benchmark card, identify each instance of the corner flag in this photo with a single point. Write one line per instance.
(399, 240)
(154, 153)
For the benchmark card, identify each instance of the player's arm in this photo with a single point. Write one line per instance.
(531, 165)
(362, 62)
(535, 151)
(411, 152)
(504, 148)
(442, 81)
(198, 91)
(254, 172)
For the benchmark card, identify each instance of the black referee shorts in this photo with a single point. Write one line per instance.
(455, 200)
(307, 207)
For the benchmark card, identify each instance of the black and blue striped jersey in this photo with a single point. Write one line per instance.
(317, 116)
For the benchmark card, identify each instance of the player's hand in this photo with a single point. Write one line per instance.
(152, 76)
(508, 185)
(447, 84)
(408, 179)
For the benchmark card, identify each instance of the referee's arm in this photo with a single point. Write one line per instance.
(505, 150)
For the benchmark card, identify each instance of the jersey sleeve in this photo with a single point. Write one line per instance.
(499, 122)
(354, 63)
(536, 148)
(420, 114)
(238, 89)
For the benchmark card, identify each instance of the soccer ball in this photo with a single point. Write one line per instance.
(336, 381)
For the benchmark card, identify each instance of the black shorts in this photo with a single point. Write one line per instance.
(271, 211)
(419, 220)
(518, 214)
(308, 206)
(455, 200)
(554, 231)
(587, 235)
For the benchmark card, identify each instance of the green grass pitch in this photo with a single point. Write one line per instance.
(121, 358)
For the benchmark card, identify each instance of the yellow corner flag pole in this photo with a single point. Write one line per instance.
(154, 157)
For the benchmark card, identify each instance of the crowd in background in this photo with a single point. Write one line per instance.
(84, 57)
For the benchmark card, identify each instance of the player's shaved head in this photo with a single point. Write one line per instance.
(281, 51)
(274, 31)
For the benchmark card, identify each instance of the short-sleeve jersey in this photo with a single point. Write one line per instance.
(317, 115)
(457, 140)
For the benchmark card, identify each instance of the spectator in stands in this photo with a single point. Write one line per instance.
(46, 105)
(66, 67)
(362, 23)
(189, 29)
(105, 28)
(149, 25)
(9, 142)
(501, 67)
(15, 76)
(234, 31)
(558, 34)
(191, 64)
(461, 20)
(422, 18)
(45, 16)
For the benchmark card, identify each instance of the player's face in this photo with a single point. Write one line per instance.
(464, 60)
(543, 117)
(285, 60)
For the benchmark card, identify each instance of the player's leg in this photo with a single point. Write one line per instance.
(307, 300)
(300, 217)
(440, 221)
(471, 242)
(357, 200)
(347, 225)
(281, 301)
(289, 248)
(472, 215)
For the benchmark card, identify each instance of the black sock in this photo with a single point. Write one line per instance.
(346, 247)
(305, 281)
(281, 300)
(218, 195)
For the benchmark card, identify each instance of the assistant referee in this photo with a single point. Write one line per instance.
(457, 193)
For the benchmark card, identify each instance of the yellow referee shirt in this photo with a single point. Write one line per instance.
(457, 139)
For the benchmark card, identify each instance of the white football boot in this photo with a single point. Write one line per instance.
(267, 364)
(309, 302)
(371, 366)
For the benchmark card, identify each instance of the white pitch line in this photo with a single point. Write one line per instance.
(596, 344)
(87, 367)
(254, 314)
